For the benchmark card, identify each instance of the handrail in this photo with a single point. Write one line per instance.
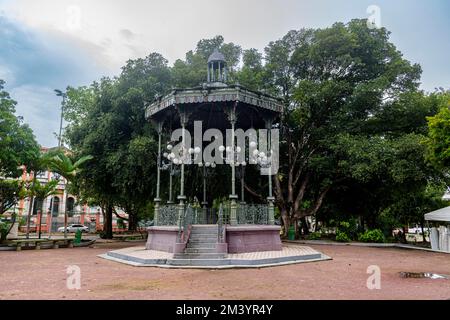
(184, 223)
(220, 229)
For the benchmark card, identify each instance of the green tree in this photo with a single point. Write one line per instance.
(68, 169)
(9, 194)
(115, 132)
(334, 81)
(17, 143)
(439, 133)
(40, 191)
(192, 71)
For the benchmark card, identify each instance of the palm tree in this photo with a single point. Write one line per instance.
(40, 164)
(65, 167)
(41, 192)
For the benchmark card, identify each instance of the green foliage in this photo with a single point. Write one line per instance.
(17, 143)
(22, 221)
(10, 192)
(342, 236)
(354, 126)
(4, 228)
(375, 235)
(439, 133)
(349, 228)
(120, 223)
(314, 236)
(42, 191)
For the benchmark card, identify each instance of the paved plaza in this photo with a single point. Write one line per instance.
(32, 274)
(139, 256)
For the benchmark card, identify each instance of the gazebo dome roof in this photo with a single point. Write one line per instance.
(216, 56)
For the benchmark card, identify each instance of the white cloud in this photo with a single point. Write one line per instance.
(125, 29)
(7, 74)
(39, 107)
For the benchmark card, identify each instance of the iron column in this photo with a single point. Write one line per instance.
(158, 174)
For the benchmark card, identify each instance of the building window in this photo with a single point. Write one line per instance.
(55, 206)
(70, 206)
(37, 206)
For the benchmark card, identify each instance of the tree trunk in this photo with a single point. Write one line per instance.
(423, 232)
(40, 223)
(107, 223)
(405, 231)
(286, 222)
(13, 221)
(294, 221)
(305, 226)
(66, 196)
(30, 210)
(132, 221)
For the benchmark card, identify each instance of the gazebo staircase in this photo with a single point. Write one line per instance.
(201, 244)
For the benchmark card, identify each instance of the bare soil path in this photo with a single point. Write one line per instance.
(32, 274)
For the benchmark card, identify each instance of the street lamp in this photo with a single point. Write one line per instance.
(59, 93)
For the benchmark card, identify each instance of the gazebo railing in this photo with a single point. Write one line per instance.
(253, 214)
(168, 215)
(246, 214)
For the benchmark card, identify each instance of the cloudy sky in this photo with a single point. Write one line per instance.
(46, 44)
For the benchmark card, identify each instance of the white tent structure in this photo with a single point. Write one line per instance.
(440, 237)
(446, 196)
(439, 215)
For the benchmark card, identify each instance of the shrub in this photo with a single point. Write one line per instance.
(350, 228)
(22, 221)
(375, 235)
(347, 230)
(4, 228)
(120, 224)
(314, 236)
(342, 236)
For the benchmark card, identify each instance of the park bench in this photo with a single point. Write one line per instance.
(38, 242)
(128, 236)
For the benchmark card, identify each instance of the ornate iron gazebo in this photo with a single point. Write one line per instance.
(229, 108)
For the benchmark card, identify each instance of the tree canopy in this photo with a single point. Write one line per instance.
(352, 134)
(17, 143)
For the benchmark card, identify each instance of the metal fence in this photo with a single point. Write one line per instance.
(168, 215)
(253, 214)
(245, 214)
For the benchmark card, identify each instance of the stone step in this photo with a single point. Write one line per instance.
(196, 245)
(190, 256)
(207, 238)
(200, 250)
(204, 226)
(201, 230)
(198, 262)
(204, 231)
(202, 243)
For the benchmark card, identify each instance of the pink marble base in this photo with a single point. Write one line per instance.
(253, 238)
(164, 239)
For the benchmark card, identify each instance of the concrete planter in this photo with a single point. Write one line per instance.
(164, 239)
(253, 238)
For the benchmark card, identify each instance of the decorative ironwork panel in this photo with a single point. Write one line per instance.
(168, 215)
(253, 214)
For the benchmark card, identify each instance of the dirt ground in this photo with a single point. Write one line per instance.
(32, 274)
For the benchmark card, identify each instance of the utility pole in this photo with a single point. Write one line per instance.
(59, 93)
